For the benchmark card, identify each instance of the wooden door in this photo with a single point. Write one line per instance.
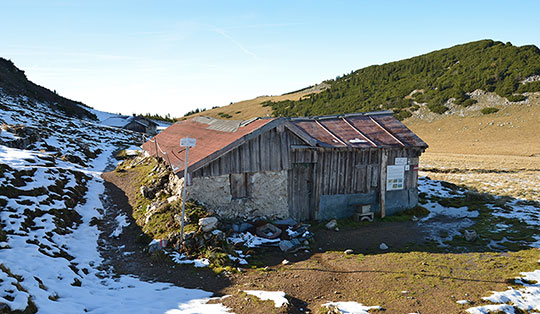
(301, 191)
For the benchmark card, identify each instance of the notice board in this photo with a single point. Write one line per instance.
(395, 177)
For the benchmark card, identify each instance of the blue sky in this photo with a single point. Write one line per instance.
(175, 56)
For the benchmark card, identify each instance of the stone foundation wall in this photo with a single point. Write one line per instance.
(267, 195)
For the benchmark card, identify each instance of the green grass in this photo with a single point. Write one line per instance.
(163, 222)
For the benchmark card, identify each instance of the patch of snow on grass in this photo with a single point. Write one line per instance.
(526, 213)
(351, 307)
(182, 259)
(492, 308)
(443, 223)
(526, 298)
(20, 298)
(277, 296)
(54, 259)
(200, 306)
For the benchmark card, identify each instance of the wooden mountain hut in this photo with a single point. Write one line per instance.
(304, 168)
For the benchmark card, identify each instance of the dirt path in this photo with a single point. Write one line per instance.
(126, 255)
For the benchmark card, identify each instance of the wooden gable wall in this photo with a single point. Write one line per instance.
(269, 151)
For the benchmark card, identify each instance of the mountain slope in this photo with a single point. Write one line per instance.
(13, 82)
(51, 205)
(433, 79)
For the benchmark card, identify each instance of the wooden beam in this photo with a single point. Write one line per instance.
(382, 186)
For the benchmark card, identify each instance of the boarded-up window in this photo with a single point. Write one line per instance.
(239, 185)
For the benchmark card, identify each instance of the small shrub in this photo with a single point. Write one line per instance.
(489, 110)
(224, 115)
(402, 115)
(529, 87)
(438, 108)
(418, 211)
(515, 98)
(469, 102)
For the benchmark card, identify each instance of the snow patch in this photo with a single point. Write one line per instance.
(277, 296)
(122, 222)
(352, 307)
(250, 240)
(201, 306)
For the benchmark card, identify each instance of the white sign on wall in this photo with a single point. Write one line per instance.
(395, 177)
(401, 161)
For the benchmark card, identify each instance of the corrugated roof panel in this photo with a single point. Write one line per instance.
(318, 133)
(400, 131)
(225, 125)
(365, 125)
(346, 133)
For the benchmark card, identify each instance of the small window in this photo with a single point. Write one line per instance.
(239, 185)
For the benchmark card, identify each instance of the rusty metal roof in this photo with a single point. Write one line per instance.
(209, 141)
(364, 130)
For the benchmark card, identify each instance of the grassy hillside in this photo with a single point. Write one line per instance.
(513, 130)
(430, 79)
(251, 108)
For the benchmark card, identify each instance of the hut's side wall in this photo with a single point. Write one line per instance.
(347, 179)
(266, 195)
(267, 152)
(133, 126)
(263, 161)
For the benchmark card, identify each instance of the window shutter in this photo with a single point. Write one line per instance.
(239, 182)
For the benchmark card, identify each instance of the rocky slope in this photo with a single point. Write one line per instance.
(50, 202)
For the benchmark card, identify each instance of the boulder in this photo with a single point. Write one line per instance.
(383, 246)
(173, 198)
(219, 235)
(145, 192)
(244, 227)
(286, 222)
(208, 224)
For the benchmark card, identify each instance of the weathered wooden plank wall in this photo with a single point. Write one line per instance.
(333, 170)
(343, 171)
(270, 151)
